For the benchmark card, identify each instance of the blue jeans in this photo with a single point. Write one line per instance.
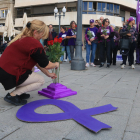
(68, 52)
(93, 46)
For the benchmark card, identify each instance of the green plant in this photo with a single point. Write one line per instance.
(89, 34)
(105, 33)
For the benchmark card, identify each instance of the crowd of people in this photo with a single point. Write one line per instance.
(103, 40)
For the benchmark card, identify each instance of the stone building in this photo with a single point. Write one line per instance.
(117, 11)
(6, 5)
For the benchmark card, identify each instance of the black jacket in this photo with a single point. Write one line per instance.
(54, 34)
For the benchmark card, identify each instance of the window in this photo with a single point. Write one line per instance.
(4, 13)
(85, 6)
(111, 8)
(115, 8)
(99, 6)
(90, 8)
(103, 7)
(118, 9)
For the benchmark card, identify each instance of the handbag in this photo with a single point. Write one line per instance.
(66, 42)
(125, 44)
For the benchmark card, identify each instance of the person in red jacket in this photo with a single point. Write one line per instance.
(16, 63)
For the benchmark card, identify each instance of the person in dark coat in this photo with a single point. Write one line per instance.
(114, 45)
(52, 35)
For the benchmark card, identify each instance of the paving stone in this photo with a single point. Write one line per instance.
(6, 130)
(134, 121)
(118, 124)
(43, 131)
(124, 105)
(4, 106)
(131, 136)
(122, 91)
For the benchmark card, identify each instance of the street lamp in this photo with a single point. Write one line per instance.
(78, 62)
(59, 15)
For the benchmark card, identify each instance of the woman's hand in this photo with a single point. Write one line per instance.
(52, 75)
(64, 38)
(102, 35)
(92, 39)
(106, 37)
(89, 43)
(74, 36)
(129, 34)
(56, 65)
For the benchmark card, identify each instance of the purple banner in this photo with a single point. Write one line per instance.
(138, 15)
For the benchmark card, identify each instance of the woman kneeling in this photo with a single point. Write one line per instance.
(16, 63)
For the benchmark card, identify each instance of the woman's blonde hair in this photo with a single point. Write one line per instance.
(37, 25)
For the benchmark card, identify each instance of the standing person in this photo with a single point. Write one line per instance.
(90, 36)
(71, 35)
(52, 35)
(104, 34)
(96, 60)
(101, 19)
(23, 53)
(63, 34)
(129, 32)
(114, 45)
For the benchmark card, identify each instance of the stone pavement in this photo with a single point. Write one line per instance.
(95, 87)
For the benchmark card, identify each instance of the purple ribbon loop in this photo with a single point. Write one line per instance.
(27, 114)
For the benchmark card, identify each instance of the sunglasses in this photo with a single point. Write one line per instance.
(107, 21)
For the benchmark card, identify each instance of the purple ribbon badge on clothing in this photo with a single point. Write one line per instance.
(83, 117)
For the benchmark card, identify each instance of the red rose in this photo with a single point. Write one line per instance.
(60, 40)
(88, 28)
(55, 40)
(127, 20)
(75, 26)
(49, 43)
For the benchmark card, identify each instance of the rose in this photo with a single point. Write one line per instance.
(88, 28)
(55, 40)
(60, 40)
(75, 26)
(49, 43)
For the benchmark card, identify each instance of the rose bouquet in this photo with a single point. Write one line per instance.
(89, 34)
(54, 53)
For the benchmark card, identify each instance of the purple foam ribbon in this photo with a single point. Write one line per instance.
(83, 117)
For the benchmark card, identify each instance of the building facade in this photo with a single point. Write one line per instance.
(117, 11)
(6, 5)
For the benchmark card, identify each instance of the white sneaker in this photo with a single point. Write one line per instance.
(92, 64)
(87, 65)
(123, 66)
(133, 67)
(65, 60)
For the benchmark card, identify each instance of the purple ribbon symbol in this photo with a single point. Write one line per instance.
(83, 117)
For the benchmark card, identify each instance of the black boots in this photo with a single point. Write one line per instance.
(17, 100)
(101, 65)
(24, 96)
(108, 65)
